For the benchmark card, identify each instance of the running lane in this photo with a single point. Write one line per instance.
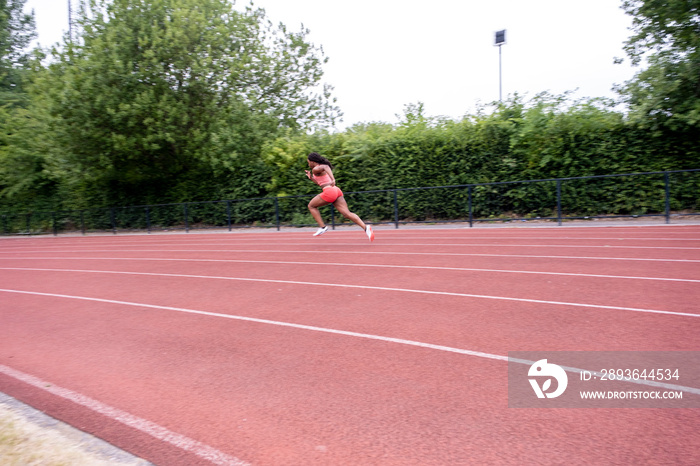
(344, 383)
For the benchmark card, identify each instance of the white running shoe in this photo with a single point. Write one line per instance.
(321, 231)
(370, 233)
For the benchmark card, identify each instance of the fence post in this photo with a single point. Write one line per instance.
(148, 219)
(53, 221)
(29, 225)
(228, 213)
(332, 217)
(277, 213)
(469, 200)
(82, 222)
(559, 202)
(113, 220)
(667, 184)
(396, 209)
(187, 218)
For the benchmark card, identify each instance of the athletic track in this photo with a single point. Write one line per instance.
(277, 348)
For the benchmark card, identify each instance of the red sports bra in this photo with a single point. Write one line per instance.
(322, 179)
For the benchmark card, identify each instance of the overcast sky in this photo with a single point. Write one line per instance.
(385, 54)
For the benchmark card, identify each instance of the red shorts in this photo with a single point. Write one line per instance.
(331, 194)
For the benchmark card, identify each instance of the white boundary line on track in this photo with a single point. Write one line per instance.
(388, 253)
(142, 425)
(367, 336)
(343, 264)
(365, 287)
(676, 229)
(266, 239)
(470, 245)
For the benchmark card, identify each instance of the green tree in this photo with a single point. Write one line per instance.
(163, 99)
(17, 30)
(667, 34)
(27, 182)
(21, 171)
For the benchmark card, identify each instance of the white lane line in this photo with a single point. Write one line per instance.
(143, 425)
(401, 341)
(344, 264)
(449, 243)
(400, 234)
(374, 252)
(367, 287)
(471, 245)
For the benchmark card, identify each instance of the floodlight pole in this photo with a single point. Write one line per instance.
(70, 21)
(500, 75)
(500, 40)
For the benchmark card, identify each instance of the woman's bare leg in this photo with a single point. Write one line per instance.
(314, 204)
(342, 207)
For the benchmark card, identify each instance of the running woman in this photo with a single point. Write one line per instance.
(321, 173)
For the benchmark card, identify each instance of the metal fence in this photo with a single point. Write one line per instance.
(663, 195)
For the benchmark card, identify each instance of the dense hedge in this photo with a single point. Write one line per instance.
(641, 194)
(545, 138)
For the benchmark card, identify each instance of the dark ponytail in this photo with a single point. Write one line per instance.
(315, 157)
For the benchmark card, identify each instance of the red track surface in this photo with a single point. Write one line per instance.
(100, 332)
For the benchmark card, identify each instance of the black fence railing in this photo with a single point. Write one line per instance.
(652, 194)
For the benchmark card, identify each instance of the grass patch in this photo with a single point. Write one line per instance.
(26, 443)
